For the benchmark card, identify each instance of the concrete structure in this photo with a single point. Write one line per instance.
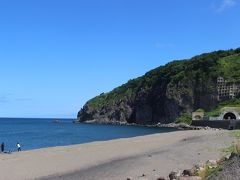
(197, 116)
(226, 89)
(229, 118)
(230, 113)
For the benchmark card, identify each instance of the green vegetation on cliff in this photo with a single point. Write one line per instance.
(218, 63)
(216, 111)
(164, 93)
(229, 68)
(184, 118)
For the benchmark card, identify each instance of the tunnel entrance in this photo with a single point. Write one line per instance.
(197, 117)
(229, 116)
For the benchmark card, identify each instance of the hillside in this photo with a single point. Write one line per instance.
(162, 94)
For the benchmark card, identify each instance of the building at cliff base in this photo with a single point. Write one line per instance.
(228, 117)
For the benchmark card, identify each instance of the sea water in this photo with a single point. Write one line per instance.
(42, 133)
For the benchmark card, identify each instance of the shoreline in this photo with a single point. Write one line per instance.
(168, 129)
(111, 159)
(179, 126)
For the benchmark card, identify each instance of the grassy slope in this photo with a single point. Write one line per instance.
(229, 68)
(231, 103)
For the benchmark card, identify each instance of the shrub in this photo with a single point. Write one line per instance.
(184, 118)
(199, 110)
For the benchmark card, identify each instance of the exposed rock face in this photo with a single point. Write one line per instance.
(229, 169)
(163, 93)
(120, 111)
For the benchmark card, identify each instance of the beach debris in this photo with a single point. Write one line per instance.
(226, 157)
(174, 175)
(188, 172)
(190, 178)
(200, 167)
(183, 126)
(228, 169)
(161, 178)
(143, 177)
(212, 164)
(129, 178)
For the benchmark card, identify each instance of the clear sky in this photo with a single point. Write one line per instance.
(57, 54)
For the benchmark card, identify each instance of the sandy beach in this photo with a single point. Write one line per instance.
(153, 155)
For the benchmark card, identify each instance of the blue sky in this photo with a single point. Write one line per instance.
(57, 54)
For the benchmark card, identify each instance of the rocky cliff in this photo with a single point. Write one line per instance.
(167, 91)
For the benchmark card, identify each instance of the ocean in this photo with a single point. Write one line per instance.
(43, 133)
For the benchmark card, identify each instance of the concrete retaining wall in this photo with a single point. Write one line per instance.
(224, 124)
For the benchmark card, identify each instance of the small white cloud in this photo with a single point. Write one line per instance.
(226, 4)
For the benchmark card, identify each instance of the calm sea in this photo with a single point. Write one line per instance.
(41, 133)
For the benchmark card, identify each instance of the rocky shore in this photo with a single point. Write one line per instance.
(179, 126)
(225, 168)
(228, 169)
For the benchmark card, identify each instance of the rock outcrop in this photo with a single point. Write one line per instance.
(164, 93)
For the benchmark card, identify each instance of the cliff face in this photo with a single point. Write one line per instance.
(165, 92)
